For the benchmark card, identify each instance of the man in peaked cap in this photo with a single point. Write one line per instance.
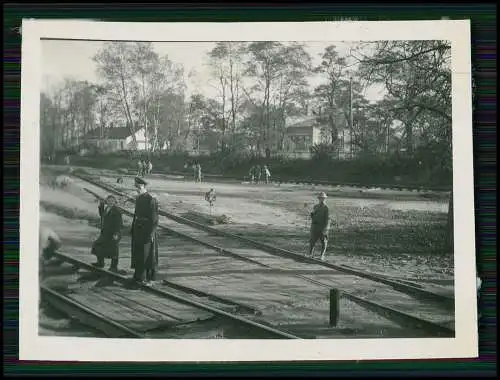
(320, 225)
(144, 240)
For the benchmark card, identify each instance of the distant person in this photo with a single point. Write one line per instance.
(320, 225)
(258, 173)
(66, 160)
(198, 173)
(144, 259)
(195, 169)
(149, 167)
(267, 174)
(251, 173)
(107, 244)
(140, 167)
(210, 197)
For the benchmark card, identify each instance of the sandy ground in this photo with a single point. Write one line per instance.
(383, 234)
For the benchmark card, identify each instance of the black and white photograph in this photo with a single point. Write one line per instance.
(283, 191)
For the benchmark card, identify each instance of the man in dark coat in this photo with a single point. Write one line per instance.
(258, 173)
(107, 244)
(320, 225)
(144, 240)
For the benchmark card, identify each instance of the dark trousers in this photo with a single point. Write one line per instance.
(141, 273)
(105, 248)
(144, 266)
(114, 262)
(317, 234)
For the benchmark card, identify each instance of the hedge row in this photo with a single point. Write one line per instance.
(366, 171)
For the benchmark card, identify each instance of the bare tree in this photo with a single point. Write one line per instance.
(332, 68)
(113, 66)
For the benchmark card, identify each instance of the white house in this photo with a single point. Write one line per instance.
(118, 138)
(301, 135)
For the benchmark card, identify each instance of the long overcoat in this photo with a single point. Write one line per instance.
(144, 232)
(111, 225)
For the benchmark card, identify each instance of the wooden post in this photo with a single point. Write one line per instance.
(334, 307)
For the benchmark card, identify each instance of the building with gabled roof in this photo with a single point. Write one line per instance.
(116, 139)
(300, 135)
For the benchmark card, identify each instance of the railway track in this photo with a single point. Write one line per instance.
(414, 298)
(406, 287)
(87, 316)
(182, 295)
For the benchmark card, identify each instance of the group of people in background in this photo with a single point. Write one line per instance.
(196, 168)
(144, 166)
(257, 174)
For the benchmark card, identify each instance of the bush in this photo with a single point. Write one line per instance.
(368, 170)
(322, 152)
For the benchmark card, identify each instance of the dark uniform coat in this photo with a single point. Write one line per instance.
(144, 239)
(111, 224)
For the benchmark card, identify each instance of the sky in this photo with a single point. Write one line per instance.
(73, 59)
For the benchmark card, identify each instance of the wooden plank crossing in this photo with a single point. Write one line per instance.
(179, 312)
(115, 312)
(353, 284)
(136, 309)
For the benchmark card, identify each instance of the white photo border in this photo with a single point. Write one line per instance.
(35, 347)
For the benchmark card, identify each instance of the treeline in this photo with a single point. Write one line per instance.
(259, 86)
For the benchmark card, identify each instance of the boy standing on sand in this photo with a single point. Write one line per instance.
(320, 225)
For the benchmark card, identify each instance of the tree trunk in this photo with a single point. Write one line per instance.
(127, 110)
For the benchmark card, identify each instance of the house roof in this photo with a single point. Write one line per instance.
(304, 121)
(303, 125)
(300, 131)
(117, 133)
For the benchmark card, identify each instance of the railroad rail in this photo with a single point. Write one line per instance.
(396, 316)
(269, 330)
(411, 289)
(85, 315)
